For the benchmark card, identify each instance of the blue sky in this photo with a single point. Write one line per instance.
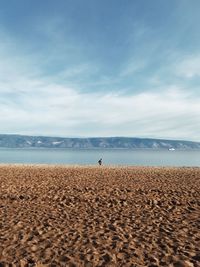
(100, 68)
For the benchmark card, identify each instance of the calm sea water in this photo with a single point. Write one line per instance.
(110, 157)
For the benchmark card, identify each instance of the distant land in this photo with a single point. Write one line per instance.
(22, 141)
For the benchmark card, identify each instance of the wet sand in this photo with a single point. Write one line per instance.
(99, 216)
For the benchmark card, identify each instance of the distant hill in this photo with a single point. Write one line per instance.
(22, 141)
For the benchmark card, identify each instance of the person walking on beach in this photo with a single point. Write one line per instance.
(100, 162)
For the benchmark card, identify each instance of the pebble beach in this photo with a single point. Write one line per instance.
(99, 216)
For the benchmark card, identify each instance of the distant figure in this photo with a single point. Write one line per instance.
(100, 162)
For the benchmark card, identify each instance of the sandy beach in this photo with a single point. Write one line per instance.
(99, 216)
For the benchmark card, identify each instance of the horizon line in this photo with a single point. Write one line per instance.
(102, 137)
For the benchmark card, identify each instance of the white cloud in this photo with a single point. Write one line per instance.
(189, 67)
(133, 67)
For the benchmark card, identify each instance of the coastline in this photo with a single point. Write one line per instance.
(94, 166)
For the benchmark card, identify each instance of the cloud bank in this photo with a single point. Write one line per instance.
(42, 108)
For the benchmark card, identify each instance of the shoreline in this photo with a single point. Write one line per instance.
(108, 166)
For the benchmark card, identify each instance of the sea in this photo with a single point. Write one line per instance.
(130, 157)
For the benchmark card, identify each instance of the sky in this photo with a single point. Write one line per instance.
(98, 68)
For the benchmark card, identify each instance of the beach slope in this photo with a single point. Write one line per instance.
(99, 216)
